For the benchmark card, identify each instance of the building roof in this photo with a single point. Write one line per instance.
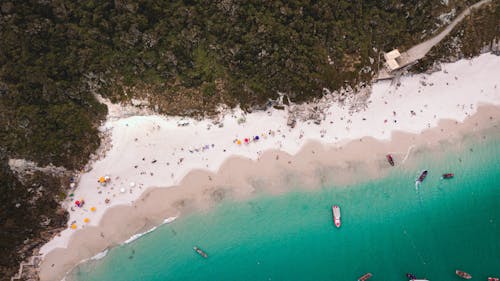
(392, 54)
(392, 64)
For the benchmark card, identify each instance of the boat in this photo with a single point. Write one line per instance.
(447, 176)
(390, 159)
(200, 252)
(411, 276)
(422, 176)
(365, 277)
(463, 274)
(336, 215)
(493, 279)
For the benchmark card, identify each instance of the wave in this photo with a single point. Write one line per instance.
(138, 235)
(100, 255)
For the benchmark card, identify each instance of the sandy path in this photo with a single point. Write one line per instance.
(419, 51)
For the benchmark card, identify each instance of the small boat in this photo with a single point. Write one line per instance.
(447, 176)
(390, 159)
(411, 276)
(422, 176)
(200, 252)
(463, 274)
(493, 279)
(365, 277)
(336, 215)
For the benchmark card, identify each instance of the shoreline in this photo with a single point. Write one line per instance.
(149, 151)
(237, 180)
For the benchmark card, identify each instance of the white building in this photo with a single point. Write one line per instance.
(392, 59)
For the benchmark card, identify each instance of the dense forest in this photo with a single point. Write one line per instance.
(184, 57)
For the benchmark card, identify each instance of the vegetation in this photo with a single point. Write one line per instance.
(185, 57)
(28, 210)
(477, 33)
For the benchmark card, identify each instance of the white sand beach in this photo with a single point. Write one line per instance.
(157, 151)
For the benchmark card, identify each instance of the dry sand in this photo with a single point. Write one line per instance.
(274, 172)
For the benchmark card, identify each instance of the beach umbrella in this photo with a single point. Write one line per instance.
(122, 190)
(77, 203)
(86, 220)
(73, 226)
(132, 184)
(256, 138)
(238, 142)
(72, 185)
(246, 140)
(102, 180)
(92, 209)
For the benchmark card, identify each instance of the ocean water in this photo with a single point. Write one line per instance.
(388, 228)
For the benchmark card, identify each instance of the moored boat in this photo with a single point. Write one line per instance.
(411, 276)
(200, 252)
(365, 277)
(390, 159)
(493, 279)
(336, 215)
(448, 176)
(463, 274)
(422, 176)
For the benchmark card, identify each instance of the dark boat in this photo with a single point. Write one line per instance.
(200, 252)
(448, 176)
(463, 274)
(390, 159)
(365, 277)
(411, 276)
(422, 176)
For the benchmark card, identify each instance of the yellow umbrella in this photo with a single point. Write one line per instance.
(102, 179)
(92, 209)
(73, 226)
(86, 220)
(238, 142)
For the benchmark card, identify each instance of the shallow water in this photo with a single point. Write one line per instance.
(388, 228)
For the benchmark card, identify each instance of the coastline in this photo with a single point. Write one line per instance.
(203, 165)
(240, 179)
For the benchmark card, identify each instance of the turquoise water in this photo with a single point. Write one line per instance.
(388, 228)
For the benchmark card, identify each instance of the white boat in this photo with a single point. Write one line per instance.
(336, 215)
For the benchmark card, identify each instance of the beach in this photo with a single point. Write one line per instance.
(389, 227)
(165, 167)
